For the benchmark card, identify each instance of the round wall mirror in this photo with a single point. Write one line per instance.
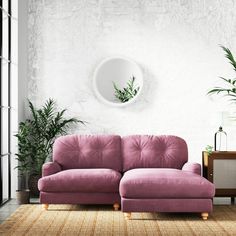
(118, 81)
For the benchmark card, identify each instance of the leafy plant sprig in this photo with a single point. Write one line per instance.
(209, 149)
(125, 94)
(230, 89)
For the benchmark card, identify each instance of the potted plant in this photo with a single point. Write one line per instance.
(24, 164)
(40, 132)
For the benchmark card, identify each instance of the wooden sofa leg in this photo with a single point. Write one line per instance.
(127, 215)
(45, 206)
(204, 215)
(116, 206)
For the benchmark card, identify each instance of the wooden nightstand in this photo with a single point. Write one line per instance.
(220, 169)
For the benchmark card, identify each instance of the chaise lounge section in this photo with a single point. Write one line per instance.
(158, 178)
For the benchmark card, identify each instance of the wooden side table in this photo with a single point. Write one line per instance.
(220, 169)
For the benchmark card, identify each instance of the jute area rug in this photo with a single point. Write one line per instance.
(102, 220)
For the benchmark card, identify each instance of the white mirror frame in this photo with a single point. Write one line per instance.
(118, 70)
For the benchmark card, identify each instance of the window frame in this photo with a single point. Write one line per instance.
(7, 106)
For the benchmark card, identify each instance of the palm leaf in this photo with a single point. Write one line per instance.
(229, 55)
(230, 89)
(49, 108)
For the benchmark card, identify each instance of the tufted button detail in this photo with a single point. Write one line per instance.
(146, 151)
(95, 151)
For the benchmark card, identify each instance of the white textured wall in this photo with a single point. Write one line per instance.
(174, 42)
(20, 92)
(22, 57)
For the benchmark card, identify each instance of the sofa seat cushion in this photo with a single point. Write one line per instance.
(164, 183)
(81, 180)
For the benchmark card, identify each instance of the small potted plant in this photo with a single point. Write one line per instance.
(36, 137)
(24, 165)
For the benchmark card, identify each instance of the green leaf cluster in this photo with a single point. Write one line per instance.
(230, 84)
(209, 149)
(125, 94)
(37, 135)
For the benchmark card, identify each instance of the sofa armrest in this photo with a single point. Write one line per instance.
(192, 167)
(50, 168)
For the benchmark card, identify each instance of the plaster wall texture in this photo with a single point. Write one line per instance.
(176, 44)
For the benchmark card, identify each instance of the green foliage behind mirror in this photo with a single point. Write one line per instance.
(125, 94)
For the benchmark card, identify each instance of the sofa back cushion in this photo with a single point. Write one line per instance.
(146, 151)
(88, 151)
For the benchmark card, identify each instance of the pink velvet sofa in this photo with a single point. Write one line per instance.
(144, 173)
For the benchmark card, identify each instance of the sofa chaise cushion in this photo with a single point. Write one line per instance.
(164, 183)
(82, 180)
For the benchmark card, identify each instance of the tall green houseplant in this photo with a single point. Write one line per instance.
(36, 137)
(229, 90)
